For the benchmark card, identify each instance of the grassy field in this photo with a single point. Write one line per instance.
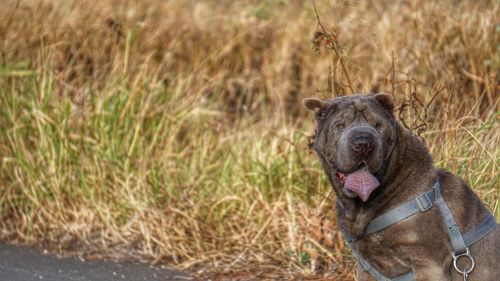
(171, 132)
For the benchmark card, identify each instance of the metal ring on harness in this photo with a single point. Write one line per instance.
(467, 255)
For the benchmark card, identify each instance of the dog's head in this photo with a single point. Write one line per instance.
(354, 140)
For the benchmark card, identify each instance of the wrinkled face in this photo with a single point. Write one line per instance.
(354, 140)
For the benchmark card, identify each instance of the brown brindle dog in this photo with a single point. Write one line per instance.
(374, 164)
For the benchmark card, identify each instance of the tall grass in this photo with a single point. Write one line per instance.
(171, 131)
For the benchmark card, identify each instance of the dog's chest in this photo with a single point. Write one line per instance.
(385, 253)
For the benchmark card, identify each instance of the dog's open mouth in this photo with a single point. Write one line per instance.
(361, 182)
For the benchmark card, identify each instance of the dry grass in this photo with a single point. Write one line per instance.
(171, 131)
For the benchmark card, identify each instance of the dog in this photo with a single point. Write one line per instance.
(376, 165)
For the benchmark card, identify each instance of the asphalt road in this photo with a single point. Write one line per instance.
(25, 264)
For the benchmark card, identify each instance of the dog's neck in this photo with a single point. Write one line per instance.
(410, 172)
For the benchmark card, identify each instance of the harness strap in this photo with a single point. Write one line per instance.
(480, 231)
(421, 203)
(456, 239)
(409, 276)
(370, 269)
(366, 266)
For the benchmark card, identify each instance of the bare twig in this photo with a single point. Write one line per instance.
(333, 72)
(329, 39)
(393, 74)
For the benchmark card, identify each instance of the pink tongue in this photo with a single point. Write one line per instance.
(362, 182)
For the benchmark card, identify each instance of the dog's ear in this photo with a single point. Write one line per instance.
(314, 104)
(386, 101)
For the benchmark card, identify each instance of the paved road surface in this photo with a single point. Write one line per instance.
(24, 264)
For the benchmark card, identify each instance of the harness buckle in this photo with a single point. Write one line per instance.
(424, 202)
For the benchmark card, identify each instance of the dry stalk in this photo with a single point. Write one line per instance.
(328, 39)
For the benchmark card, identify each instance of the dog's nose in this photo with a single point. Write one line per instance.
(362, 146)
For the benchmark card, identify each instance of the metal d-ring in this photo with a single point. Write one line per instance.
(466, 254)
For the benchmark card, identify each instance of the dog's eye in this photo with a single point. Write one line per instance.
(378, 125)
(340, 126)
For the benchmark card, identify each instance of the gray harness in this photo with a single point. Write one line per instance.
(459, 242)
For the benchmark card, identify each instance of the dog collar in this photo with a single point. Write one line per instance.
(460, 242)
